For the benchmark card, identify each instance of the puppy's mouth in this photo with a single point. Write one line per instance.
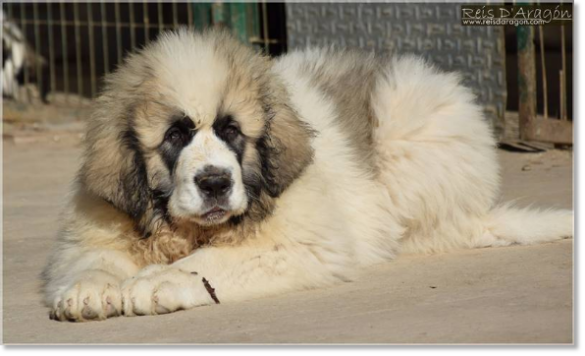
(211, 213)
(214, 215)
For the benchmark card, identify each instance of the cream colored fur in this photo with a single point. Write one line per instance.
(433, 187)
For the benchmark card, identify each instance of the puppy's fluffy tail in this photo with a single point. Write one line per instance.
(508, 225)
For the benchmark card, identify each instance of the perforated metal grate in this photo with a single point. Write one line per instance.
(431, 30)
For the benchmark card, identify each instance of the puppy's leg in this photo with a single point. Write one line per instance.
(225, 274)
(87, 287)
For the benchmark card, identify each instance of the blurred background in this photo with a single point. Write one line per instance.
(55, 54)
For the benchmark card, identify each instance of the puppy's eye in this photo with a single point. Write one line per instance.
(174, 135)
(231, 132)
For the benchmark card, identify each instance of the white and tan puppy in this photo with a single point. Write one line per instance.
(208, 166)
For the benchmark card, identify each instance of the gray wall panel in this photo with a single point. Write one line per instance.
(431, 30)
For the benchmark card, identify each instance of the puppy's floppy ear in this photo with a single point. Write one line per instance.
(285, 148)
(114, 168)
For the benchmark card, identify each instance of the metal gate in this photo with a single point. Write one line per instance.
(70, 46)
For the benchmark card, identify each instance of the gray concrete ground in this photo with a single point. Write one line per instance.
(503, 295)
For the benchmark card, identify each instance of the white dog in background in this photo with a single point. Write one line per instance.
(214, 174)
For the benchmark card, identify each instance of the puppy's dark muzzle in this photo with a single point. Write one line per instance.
(214, 182)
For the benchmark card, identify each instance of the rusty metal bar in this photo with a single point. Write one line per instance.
(146, 24)
(526, 80)
(161, 25)
(37, 57)
(202, 19)
(105, 48)
(543, 70)
(561, 94)
(132, 25)
(92, 72)
(10, 10)
(118, 32)
(218, 14)
(78, 51)
(175, 15)
(51, 48)
(189, 15)
(64, 52)
(564, 75)
(265, 27)
(26, 69)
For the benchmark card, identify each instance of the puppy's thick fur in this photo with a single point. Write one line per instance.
(336, 160)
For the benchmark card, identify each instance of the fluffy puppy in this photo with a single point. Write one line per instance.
(214, 174)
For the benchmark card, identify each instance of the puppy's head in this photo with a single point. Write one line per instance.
(194, 129)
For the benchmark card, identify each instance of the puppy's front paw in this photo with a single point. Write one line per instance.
(94, 295)
(164, 289)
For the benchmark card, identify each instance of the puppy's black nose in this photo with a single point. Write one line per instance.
(214, 184)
